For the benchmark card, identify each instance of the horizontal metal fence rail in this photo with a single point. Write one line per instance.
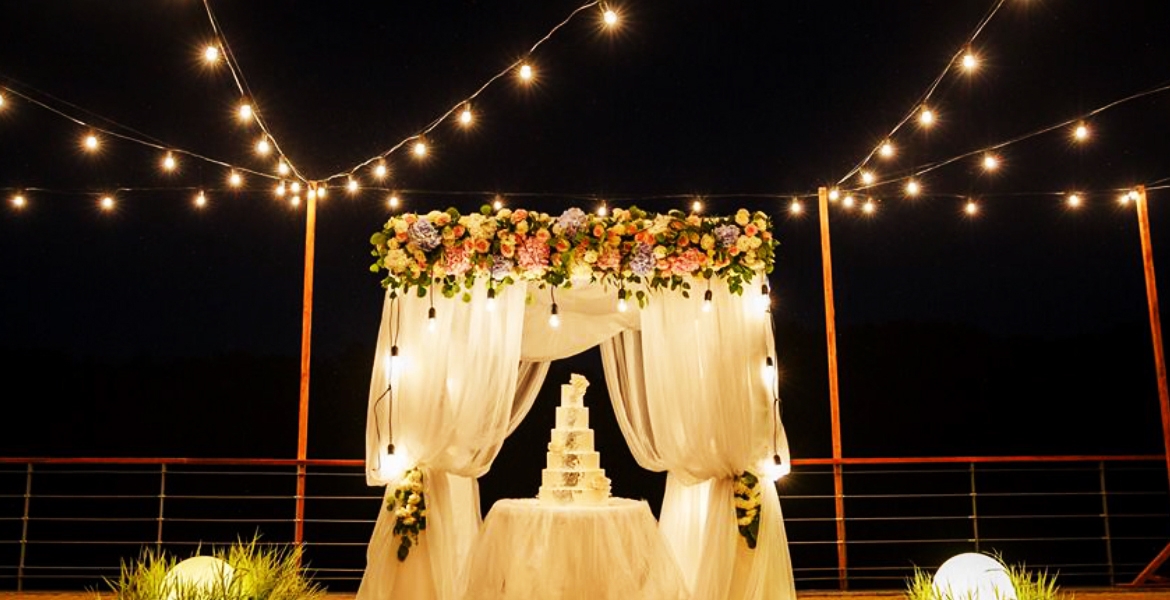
(1093, 521)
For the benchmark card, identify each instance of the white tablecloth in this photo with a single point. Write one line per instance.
(530, 551)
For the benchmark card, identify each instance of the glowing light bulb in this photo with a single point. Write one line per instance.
(867, 177)
(322, 190)
(768, 372)
(602, 210)
(1123, 199)
(776, 468)
(380, 170)
(107, 203)
(420, 149)
(295, 187)
(970, 62)
(465, 116)
(168, 162)
(280, 190)
(1081, 133)
(263, 147)
(834, 194)
(352, 185)
(1074, 200)
(498, 203)
(245, 112)
(971, 208)
(295, 201)
(431, 320)
(796, 207)
(926, 117)
(1132, 195)
(200, 200)
(235, 180)
(1, 100)
(764, 300)
(707, 301)
(91, 142)
(886, 150)
(847, 201)
(311, 194)
(622, 306)
(990, 162)
(554, 319)
(18, 201)
(526, 73)
(913, 188)
(392, 201)
(610, 17)
(282, 167)
(868, 207)
(697, 206)
(491, 299)
(211, 54)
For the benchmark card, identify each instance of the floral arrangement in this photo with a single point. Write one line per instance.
(409, 505)
(634, 249)
(747, 507)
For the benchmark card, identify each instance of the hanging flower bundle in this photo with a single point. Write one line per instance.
(630, 249)
(747, 507)
(408, 504)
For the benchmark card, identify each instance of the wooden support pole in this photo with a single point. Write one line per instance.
(834, 394)
(306, 337)
(1143, 215)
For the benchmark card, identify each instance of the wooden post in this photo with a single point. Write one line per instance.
(1143, 214)
(306, 336)
(834, 394)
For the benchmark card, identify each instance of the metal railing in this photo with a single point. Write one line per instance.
(1091, 520)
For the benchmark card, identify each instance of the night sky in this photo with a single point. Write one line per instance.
(161, 330)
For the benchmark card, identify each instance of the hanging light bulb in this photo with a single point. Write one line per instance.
(245, 112)
(351, 185)
(282, 167)
(868, 207)
(90, 142)
(279, 190)
(913, 188)
(867, 177)
(235, 179)
(168, 162)
(431, 320)
(970, 62)
(322, 190)
(834, 194)
(295, 187)
(465, 116)
(1, 100)
(392, 201)
(491, 299)
(107, 203)
(311, 194)
(609, 17)
(776, 468)
(380, 170)
(971, 208)
(1074, 200)
(295, 201)
(697, 206)
(498, 202)
(764, 301)
(926, 117)
(554, 319)
(707, 301)
(622, 306)
(796, 207)
(1081, 133)
(263, 147)
(886, 150)
(200, 200)
(768, 372)
(211, 54)
(18, 201)
(420, 149)
(847, 201)
(990, 162)
(526, 73)
(602, 210)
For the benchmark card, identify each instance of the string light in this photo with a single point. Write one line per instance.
(926, 117)
(311, 194)
(768, 372)
(168, 162)
(990, 162)
(796, 207)
(491, 299)
(282, 167)
(91, 142)
(200, 200)
(295, 201)
(868, 207)
(707, 299)
(697, 206)
(211, 54)
(18, 201)
(847, 202)
(764, 301)
(498, 203)
(913, 188)
(280, 190)
(431, 319)
(380, 170)
(1081, 133)
(1074, 200)
(465, 116)
(526, 73)
(971, 208)
(420, 149)
(554, 317)
(322, 190)
(609, 17)
(602, 210)
(622, 305)
(1124, 199)
(235, 179)
(245, 112)
(886, 150)
(295, 187)
(1, 100)
(867, 177)
(107, 203)
(392, 201)
(352, 185)
(834, 194)
(970, 62)
(263, 147)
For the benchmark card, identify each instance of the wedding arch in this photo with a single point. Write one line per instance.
(476, 308)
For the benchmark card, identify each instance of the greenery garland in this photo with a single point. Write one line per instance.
(631, 249)
(747, 507)
(408, 504)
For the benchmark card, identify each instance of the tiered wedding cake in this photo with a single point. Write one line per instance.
(574, 474)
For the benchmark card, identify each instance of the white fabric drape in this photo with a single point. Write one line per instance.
(588, 315)
(458, 391)
(692, 398)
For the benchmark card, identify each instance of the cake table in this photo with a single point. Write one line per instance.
(533, 550)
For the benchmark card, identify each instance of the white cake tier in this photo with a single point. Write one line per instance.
(593, 479)
(580, 496)
(571, 396)
(572, 417)
(566, 440)
(588, 459)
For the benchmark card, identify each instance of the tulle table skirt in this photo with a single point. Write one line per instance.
(530, 551)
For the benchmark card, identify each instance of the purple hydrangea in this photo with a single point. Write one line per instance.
(572, 220)
(423, 234)
(643, 261)
(726, 235)
(501, 267)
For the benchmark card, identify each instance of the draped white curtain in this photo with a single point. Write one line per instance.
(458, 391)
(692, 397)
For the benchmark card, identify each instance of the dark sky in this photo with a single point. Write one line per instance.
(117, 327)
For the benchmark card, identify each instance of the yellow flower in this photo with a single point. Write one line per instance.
(408, 521)
(660, 252)
(742, 217)
(414, 499)
(745, 521)
(522, 227)
(708, 242)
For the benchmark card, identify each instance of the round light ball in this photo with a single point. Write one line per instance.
(973, 576)
(198, 575)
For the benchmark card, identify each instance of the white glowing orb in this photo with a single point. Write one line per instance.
(393, 466)
(775, 471)
(206, 574)
(973, 576)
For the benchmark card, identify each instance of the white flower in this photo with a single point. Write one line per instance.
(414, 499)
(744, 503)
(744, 243)
(397, 260)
